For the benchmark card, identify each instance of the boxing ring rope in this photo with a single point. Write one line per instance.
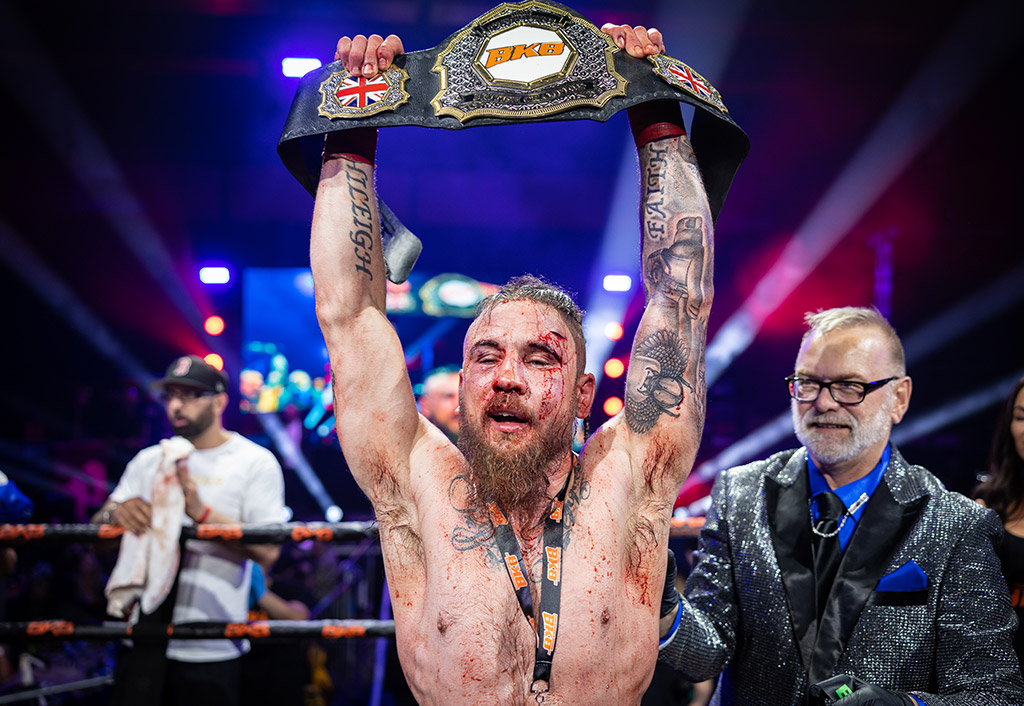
(11, 535)
(246, 534)
(64, 630)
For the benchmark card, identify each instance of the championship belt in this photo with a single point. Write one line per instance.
(532, 61)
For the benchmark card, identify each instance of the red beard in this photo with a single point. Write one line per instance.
(515, 479)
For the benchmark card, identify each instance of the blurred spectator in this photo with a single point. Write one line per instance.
(439, 401)
(1002, 489)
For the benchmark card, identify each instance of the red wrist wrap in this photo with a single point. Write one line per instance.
(655, 120)
(358, 143)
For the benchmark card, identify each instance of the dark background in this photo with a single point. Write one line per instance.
(140, 144)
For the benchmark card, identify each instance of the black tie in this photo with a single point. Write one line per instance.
(826, 549)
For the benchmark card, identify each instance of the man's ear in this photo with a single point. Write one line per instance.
(586, 387)
(903, 390)
(220, 402)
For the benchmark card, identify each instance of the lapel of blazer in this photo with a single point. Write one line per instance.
(786, 496)
(882, 531)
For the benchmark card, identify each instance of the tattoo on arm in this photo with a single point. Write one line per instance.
(663, 357)
(677, 270)
(361, 234)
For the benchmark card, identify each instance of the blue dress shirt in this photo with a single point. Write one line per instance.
(848, 493)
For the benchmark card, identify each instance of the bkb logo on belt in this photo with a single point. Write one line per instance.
(525, 60)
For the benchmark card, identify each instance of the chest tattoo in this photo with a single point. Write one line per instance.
(476, 529)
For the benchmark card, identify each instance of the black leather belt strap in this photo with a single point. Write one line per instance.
(532, 61)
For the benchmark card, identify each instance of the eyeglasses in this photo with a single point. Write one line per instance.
(843, 391)
(185, 395)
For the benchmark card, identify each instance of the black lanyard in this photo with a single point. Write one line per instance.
(551, 581)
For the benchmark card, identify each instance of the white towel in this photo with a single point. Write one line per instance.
(147, 563)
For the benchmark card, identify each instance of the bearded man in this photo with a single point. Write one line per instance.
(840, 569)
(439, 400)
(227, 479)
(519, 573)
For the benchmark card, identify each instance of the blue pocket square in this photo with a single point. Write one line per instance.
(909, 577)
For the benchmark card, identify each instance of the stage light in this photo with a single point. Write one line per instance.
(214, 275)
(295, 67)
(613, 330)
(214, 325)
(333, 514)
(618, 283)
(612, 406)
(613, 367)
(292, 458)
(214, 360)
(286, 514)
(961, 60)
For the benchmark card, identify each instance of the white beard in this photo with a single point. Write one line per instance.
(830, 450)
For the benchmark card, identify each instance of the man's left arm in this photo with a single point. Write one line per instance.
(974, 657)
(263, 501)
(665, 388)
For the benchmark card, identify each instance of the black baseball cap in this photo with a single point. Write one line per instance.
(193, 371)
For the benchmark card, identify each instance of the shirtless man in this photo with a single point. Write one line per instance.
(462, 632)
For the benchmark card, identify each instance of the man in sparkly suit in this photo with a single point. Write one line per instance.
(840, 563)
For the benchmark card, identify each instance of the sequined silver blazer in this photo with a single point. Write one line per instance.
(749, 607)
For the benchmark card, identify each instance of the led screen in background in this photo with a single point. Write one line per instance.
(284, 360)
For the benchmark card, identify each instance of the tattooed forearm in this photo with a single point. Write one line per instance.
(666, 370)
(362, 218)
(674, 240)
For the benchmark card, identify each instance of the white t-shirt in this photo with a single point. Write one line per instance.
(238, 479)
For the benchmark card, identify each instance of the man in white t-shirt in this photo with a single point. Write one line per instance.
(227, 479)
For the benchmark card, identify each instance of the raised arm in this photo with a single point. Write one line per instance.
(373, 401)
(665, 388)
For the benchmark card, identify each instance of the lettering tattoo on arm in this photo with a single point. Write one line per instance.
(362, 218)
(677, 271)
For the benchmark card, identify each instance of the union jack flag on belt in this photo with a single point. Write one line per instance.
(684, 74)
(361, 92)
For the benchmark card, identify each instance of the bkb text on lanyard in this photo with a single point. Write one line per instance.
(551, 582)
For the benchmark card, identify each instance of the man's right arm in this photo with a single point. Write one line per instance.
(706, 638)
(374, 405)
(126, 507)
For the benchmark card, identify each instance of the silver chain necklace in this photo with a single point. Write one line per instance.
(864, 497)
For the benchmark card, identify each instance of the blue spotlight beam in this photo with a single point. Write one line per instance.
(25, 264)
(35, 83)
(960, 408)
(708, 52)
(62, 300)
(958, 321)
(990, 302)
(977, 41)
(294, 459)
